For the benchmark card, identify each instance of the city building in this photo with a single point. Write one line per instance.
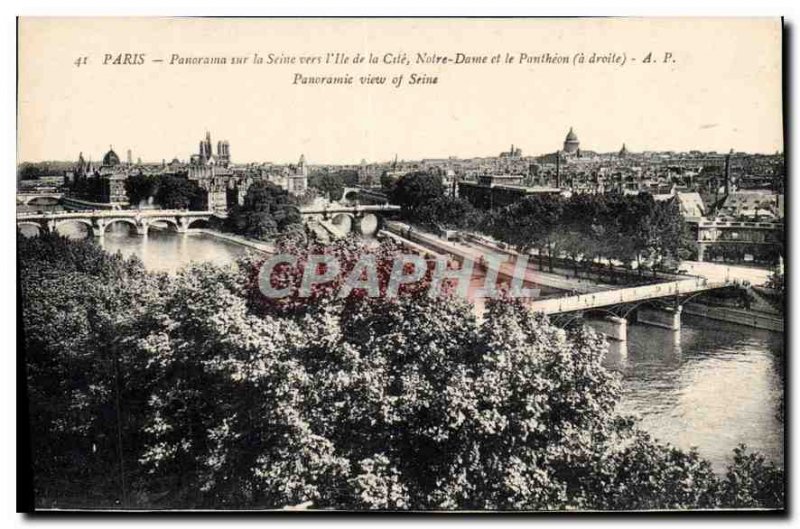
(212, 173)
(297, 180)
(496, 191)
(571, 143)
(207, 157)
(513, 152)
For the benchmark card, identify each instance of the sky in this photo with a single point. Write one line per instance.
(721, 89)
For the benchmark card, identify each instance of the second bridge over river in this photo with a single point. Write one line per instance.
(609, 306)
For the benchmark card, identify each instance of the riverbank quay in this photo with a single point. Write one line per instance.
(260, 246)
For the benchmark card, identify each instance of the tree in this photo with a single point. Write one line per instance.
(331, 185)
(531, 223)
(676, 242)
(177, 192)
(449, 212)
(416, 190)
(267, 211)
(751, 482)
(28, 171)
(140, 187)
(85, 388)
(582, 234)
(226, 425)
(207, 398)
(387, 181)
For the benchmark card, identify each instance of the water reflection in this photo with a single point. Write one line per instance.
(166, 251)
(713, 386)
(161, 250)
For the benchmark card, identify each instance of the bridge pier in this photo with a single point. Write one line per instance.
(701, 251)
(98, 229)
(612, 327)
(666, 317)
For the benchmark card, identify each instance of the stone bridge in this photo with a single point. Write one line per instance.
(98, 221)
(27, 198)
(366, 220)
(365, 195)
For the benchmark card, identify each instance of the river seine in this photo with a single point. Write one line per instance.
(714, 387)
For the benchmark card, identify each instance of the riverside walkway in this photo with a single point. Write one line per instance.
(586, 295)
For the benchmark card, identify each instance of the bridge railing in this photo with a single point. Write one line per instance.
(116, 214)
(349, 209)
(624, 295)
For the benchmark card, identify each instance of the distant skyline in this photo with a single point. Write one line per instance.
(122, 153)
(723, 92)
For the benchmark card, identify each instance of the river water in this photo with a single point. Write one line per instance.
(166, 251)
(713, 386)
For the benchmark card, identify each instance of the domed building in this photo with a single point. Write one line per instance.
(111, 159)
(571, 143)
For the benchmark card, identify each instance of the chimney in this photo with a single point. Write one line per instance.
(728, 188)
(558, 169)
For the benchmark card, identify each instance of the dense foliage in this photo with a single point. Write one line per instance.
(774, 291)
(184, 391)
(33, 170)
(587, 229)
(140, 188)
(170, 191)
(594, 228)
(330, 183)
(267, 210)
(416, 190)
(178, 192)
(80, 309)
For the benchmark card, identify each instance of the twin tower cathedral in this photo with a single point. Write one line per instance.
(206, 155)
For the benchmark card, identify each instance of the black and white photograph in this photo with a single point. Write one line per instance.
(439, 265)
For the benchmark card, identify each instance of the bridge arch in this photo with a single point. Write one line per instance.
(30, 224)
(42, 201)
(370, 224)
(687, 299)
(564, 320)
(350, 194)
(170, 222)
(124, 220)
(64, 222)
(624, 311)
(199, 222)
(343, 221)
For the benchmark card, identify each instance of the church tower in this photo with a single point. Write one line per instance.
(297, 182)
